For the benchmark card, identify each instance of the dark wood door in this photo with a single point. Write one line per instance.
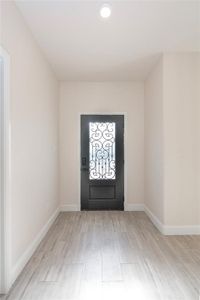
(102, 162)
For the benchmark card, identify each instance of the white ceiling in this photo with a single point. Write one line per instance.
(80, 45)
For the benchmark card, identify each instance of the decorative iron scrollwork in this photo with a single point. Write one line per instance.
(102, 150)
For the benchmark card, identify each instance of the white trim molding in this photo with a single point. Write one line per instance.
(157, 223)
(133, 206)
(172, 230)
(5, 218)
(70, 207)
(164, 229)
(22, 261)
(182, 230)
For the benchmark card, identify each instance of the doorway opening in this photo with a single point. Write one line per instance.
(102, 162)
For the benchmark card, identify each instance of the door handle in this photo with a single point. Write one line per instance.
(84, 164)
(83, 161)
(84, 169)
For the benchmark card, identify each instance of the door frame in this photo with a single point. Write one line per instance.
(125, 114)
(5, 153)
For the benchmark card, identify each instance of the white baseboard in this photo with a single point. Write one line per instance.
(172, 230)
(70, 207)
(32, 247)
(164, 229)
(127, 207)
(133, 206)
(154, 219)
(182, 230)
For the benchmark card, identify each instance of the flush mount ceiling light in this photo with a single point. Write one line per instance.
(105, 11)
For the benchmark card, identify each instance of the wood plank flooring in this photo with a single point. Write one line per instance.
(110, 255)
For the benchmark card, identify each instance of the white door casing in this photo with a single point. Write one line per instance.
(5, 164)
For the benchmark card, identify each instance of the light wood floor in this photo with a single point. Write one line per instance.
(110, 256)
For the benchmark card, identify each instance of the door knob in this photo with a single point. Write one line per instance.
(83, 161)
(84, 169)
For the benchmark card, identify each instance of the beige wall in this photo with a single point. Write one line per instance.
(34, 119)
(102, 97)
(181, 99)
(172, 131)
(153, 137)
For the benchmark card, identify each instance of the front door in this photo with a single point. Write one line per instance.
(102, 162)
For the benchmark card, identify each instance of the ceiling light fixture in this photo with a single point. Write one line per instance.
(105, 11)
